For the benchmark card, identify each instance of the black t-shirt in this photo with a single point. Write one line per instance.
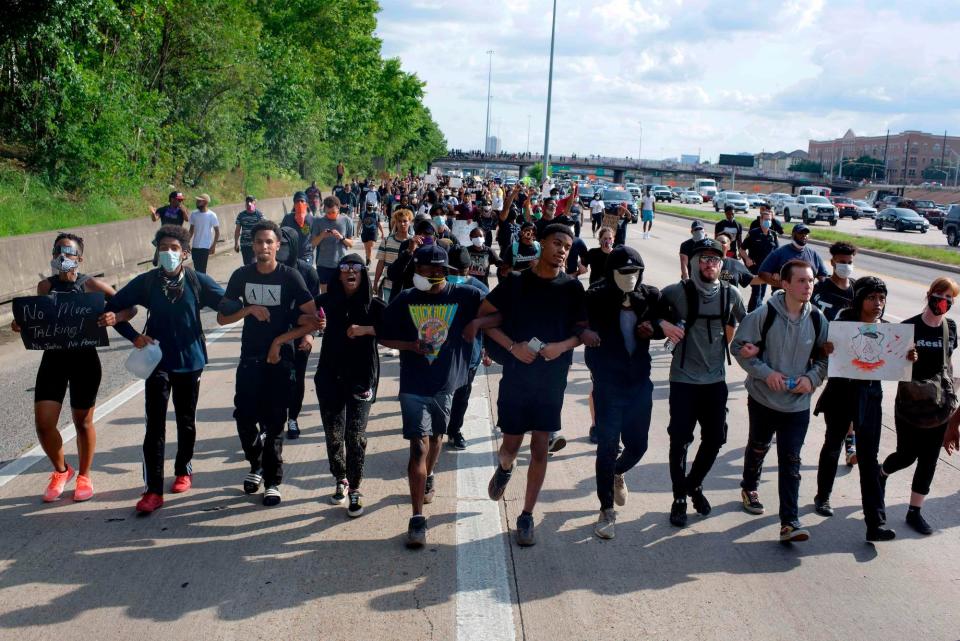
(521, 259)
(929, 341)
(171, 215)
(535, 307)
(686, 247)
(542, 225)
(759, 245)
(439, 319)
(596, 260)
(734, 230)
(368, 222)
(481, 258)
(282, 292)
(735, 273)
(830, 298)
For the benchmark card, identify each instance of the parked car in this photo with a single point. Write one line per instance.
(662, 192)
(901, 219)
(612, 199)
(866, 209)
(783, 203)
(775, 197)
(811, 209)
(585, 195)
(886, 201)
(733, 198)
(677, 191)
(634, 189)
(846, 207)
(926, 208)
(755, 200)
(951, 225)
(690, 197)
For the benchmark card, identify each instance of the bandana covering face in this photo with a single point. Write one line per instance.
(300, 213)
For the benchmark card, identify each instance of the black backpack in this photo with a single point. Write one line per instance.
(816, 316)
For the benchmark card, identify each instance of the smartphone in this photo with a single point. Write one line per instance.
(535, 345)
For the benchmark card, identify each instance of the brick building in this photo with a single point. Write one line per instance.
(907, 153)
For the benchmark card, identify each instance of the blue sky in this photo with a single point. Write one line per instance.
(722, 76)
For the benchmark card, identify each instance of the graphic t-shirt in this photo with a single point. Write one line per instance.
(929, 341)
(830, 298)
(734, 230)
(369, 221)
(171, 215)
(481, 258)
(282, 292)
(735, 273)
(438, 319)
(520, 256)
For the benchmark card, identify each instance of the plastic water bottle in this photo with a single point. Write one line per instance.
(669, 345)
(141, 362)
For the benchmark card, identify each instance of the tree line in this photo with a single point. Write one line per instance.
(108, 95)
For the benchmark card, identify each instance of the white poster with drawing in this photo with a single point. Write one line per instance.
(870, 351)
(461, 231)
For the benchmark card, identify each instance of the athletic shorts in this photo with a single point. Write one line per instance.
(368, 236)
(77, 369)
(327, 274)
(517, 414)
(647, 216)
(425, 416)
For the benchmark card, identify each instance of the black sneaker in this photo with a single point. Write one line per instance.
(525, 536)
(700, 502)
(822, 507)
(498, 482)
(271, 496)
(252, 482)
(457, 442)
(918, 523)
(417, 532)
(355, 507)
(678, 513)
(293, 430)
(428, 491)
(875, 534)
(340, 492)
(556, 443)
(751, 502)
(593, 435)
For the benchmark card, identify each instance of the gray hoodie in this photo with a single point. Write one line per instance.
(788, 347)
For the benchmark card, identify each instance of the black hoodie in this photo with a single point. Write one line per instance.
(348, 365)
(288, 255)
(610, 362)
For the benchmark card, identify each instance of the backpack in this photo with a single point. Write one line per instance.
(815, 315)
(150, 281)
(693, 313)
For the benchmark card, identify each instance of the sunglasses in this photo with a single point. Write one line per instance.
(68, 250)
(711, 260)
(351, 267)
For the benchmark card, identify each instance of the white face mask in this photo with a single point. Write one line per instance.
(699, 235)
(477, 241)
(844, 270)
(626, 282)
(422, 283)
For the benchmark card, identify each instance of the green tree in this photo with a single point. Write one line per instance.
(536, 172)
(807, 166)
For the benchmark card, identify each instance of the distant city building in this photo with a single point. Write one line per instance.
(778, 160)
(690, 159)
(903, 164)
(493, 145)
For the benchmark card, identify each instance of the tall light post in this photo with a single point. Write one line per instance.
(546, 135)
(486, 135)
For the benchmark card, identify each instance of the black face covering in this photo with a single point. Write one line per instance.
(939, 305)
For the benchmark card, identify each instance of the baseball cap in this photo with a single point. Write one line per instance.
(204, 197)
(459, 258)
(424, 227)
(695, 225)
(801, 229)
(250, 199)
(431, 255)
(175, 194)
(625, 260)
(705, 245)
(300, 196)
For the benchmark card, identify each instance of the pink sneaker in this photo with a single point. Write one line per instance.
(58, 481)
(84, 489)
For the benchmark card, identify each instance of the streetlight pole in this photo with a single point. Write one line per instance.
(546, 135)
(486, 135)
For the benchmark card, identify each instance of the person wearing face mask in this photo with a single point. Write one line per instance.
(836, 293)
(761, 240)
(710, 310)
(758, 221)
(482, 257)
(332, 236)
(597, 207)
(173, 213)
(622, 313)
(347, 377)
(426, 324)
(925, 404)
(402, 270)
(390, 249)
(246, 219)
(302, 220)
(796, 249)
(596, 258)
(173, 296)
(522, 253)
(697, 234)
(348, 203)
(371, 228)
(75, 369)
(204, 233)
(845, 402)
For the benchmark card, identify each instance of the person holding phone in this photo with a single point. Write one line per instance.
(332, 236)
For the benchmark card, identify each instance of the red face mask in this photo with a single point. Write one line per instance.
(300, 212)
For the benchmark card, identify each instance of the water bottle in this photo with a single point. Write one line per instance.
(142, 362)
(669, 345)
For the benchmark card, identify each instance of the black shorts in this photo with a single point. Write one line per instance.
(517, 414)
(368, 236)
(78, 369)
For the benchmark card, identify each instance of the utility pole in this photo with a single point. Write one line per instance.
(486, 135)
(546, 135)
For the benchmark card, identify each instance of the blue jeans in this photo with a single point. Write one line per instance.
(757, 292)
(622, 413)
(791, 429)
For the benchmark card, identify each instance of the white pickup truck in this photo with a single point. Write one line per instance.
(809, 209)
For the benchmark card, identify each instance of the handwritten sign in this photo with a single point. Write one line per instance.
(870, 351)
(611, 221)
(461, 231)
(60, 321)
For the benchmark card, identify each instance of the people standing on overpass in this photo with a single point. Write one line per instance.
(246, 219)
(698, 316)
(75, 369)
(924, 405)
(173, 213)
(759, 243)
(539, 317)
(173, 296)
(797, 249)
(426, 323)
(301, 220)
(648, 207)
(780, 346)
(331, 235)
(621, 311)
(597, 208)
(348, 375)
(268, 297)
(858, 405)
(204, 233)
(697, 234)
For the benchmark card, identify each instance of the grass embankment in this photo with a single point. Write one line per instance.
(29, 205)
(893, 247)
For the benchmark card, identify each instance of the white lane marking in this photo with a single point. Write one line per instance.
(484, 605)
(30, 458)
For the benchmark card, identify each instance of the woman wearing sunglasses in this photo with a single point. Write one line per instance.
(347, 375)
(76, 369)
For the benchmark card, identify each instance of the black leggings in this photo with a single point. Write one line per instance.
(300, 359)
(920, 445)
(185, 389)
(345, 427)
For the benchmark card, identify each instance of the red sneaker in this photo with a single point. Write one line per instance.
(58, 481)
(182, 484)
(149, 502)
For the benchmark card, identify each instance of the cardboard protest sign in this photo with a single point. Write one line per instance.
(610, 220)
(870, 351)
(60, 321)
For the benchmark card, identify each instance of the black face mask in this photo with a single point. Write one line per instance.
(939, 305)
(799, 241)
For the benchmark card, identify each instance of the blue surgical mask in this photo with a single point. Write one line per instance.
(438, 221)
(765, 224)
(456, 280)
(170, 260)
